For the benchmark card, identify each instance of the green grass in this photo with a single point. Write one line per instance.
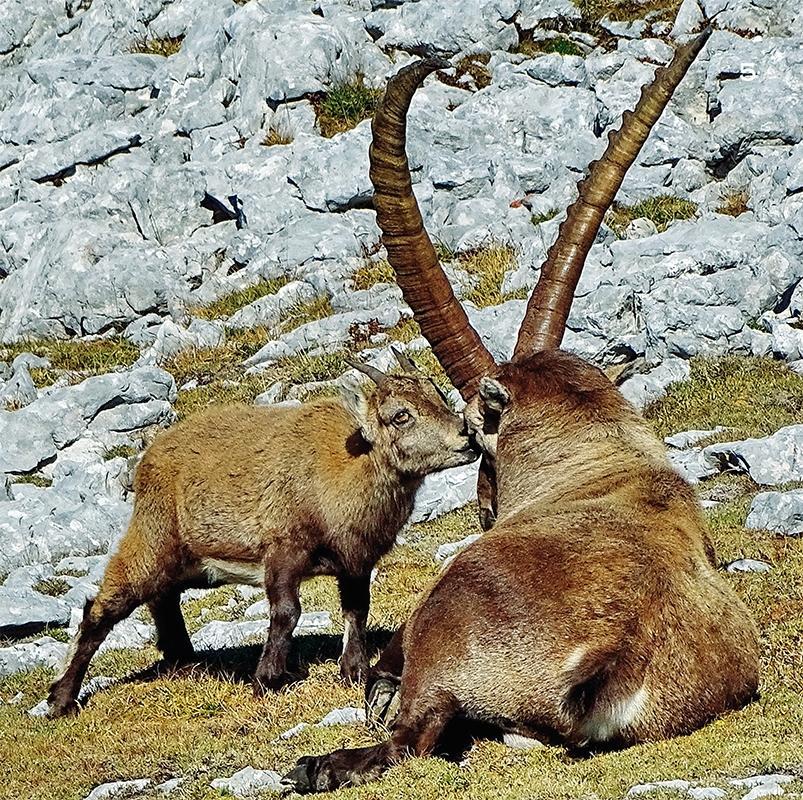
(662, 210)
(34, 479)
(76, 358)
(753, 396)
(545, 216)
(489, 265)
(557, 44)
(158, 46)
(228, 305)
(53, 587)
(344, 106)
(120, 451)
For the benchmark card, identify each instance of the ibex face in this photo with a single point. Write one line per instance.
(411, 420)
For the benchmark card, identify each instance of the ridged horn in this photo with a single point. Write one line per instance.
(425, 287)
(548, 308)
(376, 375)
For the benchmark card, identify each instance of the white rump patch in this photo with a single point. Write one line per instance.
(575, 658)
(219, 571)
(605, 723)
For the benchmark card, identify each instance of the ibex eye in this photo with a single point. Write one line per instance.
(402, 418)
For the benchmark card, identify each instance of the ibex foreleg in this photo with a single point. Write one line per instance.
(355, 598)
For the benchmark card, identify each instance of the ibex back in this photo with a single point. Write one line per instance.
(268, 497)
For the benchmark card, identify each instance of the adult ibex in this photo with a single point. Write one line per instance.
(270, 496)
(592, 612)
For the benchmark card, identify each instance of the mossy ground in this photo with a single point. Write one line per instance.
(203, 722)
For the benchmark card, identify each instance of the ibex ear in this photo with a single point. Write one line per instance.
(357, 405)
(494, 394)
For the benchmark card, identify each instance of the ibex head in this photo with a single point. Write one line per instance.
(426, 289)
(408, 419)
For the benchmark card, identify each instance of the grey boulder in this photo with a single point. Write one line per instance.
(781, 512)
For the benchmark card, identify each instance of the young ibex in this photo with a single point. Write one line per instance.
(269, 497)
(592, 613)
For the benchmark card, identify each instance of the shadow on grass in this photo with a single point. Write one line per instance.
(238, 664)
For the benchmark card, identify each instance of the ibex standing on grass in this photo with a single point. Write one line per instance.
(592, 612)
(268, 497)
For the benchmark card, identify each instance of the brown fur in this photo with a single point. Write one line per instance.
(234, 492)
(592, 612)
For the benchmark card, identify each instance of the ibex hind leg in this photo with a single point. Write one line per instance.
(417, 731)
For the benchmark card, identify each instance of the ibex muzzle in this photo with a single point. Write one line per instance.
(270, 496)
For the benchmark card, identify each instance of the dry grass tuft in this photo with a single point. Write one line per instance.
(275, 137)
(662, 210)
(735, 203)
(473, 66)
(489, 265)
(372, 272)
(158, 46)
(558, 44)
(52, 587)
(628, 10)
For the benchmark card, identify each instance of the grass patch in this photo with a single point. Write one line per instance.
(52, 587)
(203, 722)
(735, 203)
(228, 305)
(545, 216)
(662, 210)
(120, 451)
(754, 396)
(474, 67)
(308, 311)
(158, 46)
(489, 265)
(372, 272)
(344, 106)
(34, 479)
(78, 359)
(628, 10)
(275, 137)
(558, 44)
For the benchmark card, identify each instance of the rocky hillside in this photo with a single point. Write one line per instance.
(185, 218)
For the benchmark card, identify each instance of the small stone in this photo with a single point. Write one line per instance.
(118, 789)
(249, 782)
(655, 786)
(748, 565)
(343, 716)
(706, 792)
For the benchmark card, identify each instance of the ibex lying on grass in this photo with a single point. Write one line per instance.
(592, 612)
(269, 497)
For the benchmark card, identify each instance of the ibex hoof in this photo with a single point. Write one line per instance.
(263, 685)
(382, 703)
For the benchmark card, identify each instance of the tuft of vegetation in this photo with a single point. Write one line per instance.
(76, 358)
(275, 137)
(558, 44)
(489, 265)
(735, 203)
(226, 306)
(120, 451)
(308, 311)
(344, 106)
(662, 210)
(52, 587)
(33, 479)
(158, 46)
(628, 10)
(371, 273)
(545, 216)
(474, 67)
(752, 396)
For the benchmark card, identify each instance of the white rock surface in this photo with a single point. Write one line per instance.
(219, 634)
(249, 782)
(781, 512)
(119, 789)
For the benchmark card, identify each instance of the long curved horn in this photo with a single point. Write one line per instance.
(424, 285)
(376, 375)
(548, 307)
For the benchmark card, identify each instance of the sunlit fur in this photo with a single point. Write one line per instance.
(276, 495)
(592, 613)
